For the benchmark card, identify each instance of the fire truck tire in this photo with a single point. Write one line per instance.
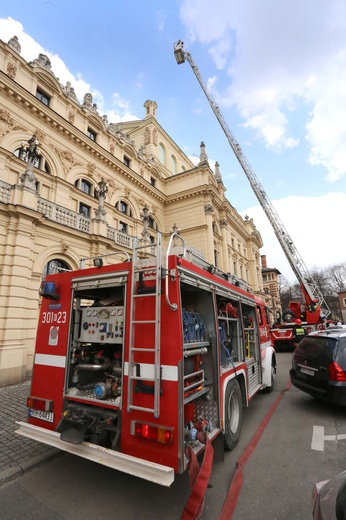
(270, 388)
(233, 415)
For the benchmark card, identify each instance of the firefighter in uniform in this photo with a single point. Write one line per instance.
(298, 332)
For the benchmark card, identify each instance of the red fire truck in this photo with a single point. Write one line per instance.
(309, 313)
(139, 360)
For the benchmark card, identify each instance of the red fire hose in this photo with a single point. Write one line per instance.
(199, 478)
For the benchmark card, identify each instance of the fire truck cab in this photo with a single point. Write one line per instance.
(137, 360)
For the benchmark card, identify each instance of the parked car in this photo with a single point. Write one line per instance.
(319, 365)
(329, 499)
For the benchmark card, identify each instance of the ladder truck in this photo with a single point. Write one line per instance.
(314, 309)
(142, 364)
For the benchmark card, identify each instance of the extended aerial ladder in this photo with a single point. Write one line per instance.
(308, 287)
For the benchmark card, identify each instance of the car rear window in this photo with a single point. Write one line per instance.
(341, 353)
(314, 346)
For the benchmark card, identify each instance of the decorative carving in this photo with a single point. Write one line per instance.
(127, 193)
(7, 124)
(209, 209)
(67, 159)
(155, 137)
(69, 91)
(11, 70)
(14, 44)
(40, 135)
(116, 130)
(111, 187)
(203, 158)
(112, 148)
(141, 151)
(147, 136)
(71, 116)
(218, 175)
(91, 168)
(64, 246)
(223, 222)
(44, 62)
(88, 103)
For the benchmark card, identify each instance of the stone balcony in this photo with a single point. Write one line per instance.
(67, 217)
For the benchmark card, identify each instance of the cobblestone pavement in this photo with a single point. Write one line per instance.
(17, 453)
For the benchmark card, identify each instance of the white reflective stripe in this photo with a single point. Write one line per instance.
(50, 360)
(169, 372)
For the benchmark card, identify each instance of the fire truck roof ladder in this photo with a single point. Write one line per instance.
(146, 267)
(308, 286)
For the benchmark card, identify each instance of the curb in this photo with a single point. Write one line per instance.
(14, 472)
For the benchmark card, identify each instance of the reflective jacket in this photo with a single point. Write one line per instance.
(298, 333)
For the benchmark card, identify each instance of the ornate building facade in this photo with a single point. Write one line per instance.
(74, 185)
(271, 289)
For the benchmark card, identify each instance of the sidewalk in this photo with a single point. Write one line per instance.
(17, 453)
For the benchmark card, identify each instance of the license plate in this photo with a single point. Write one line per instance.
(307, 371)
(40, 414)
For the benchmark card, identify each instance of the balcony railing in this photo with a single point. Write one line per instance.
(68, 218)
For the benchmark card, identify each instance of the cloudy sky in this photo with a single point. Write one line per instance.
(276, 69)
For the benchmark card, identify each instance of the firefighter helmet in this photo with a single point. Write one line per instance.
(298, 321)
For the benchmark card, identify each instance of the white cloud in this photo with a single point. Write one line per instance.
(312, 223)
(285, 60)
(30, 50)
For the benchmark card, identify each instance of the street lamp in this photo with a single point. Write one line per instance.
(31, 153)
(30, 148)
(145, 214)
(174, 231)
(102, 194)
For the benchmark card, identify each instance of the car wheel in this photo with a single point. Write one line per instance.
(233, 414)
(270, 388)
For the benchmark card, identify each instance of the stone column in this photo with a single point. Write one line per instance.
(225, 261)
(209, 211)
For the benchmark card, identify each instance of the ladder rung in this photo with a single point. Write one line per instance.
(143, 349)
(139, 378)
(133, 407)
(143, 321)
(144, 295)
(147, 269)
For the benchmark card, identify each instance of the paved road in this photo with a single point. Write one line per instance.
(17, 453)
(278, 477)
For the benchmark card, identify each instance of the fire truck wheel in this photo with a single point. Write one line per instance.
(270, 388)
(233, 414)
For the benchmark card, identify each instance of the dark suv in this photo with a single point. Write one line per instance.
(319, 365)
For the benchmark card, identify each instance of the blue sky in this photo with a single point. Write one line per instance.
(276, 69)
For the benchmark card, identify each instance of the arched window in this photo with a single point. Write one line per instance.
(162, 153)
(40, 162)
(123, 207)
(86, 187)
(55, 266)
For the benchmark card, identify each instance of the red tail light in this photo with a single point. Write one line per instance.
(152, 432)
(336, 373)
(39, 404)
